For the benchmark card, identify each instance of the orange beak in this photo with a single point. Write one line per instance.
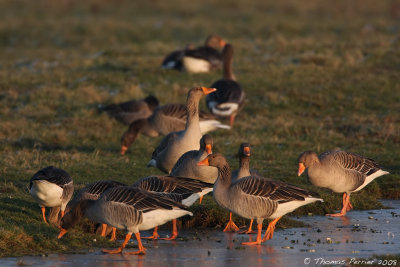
(204, 162)
(246, 151)
(222, 43)
(209, 149)
(207, 91)
(62, 233)
(123, 150)
(301, 169)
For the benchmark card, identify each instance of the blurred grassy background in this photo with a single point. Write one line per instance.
(318, 75)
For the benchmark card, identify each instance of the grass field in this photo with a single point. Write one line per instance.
(317, 74)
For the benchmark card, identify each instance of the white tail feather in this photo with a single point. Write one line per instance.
(212, 125)
(228, 109)
(370, 178)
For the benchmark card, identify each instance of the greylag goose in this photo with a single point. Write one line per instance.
(166, 119)
(174, 59)
(243, 171)
(175, 144)
(93, 191)
(51, 187)
(127, 112)
(186, 166)
(181, 189)
(254, 197)
(340, 171)
(229, 98)
(205, 58)
(128, 208)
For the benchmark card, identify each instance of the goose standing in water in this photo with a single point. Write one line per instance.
(175, 144)
(128, 208)
(243, 171)
(51, 187)
(181, 189)
(166, 119)
(255, 197)
(229, 98)
(127, 112)
(340, 171)
(186, 166)
(93, 191)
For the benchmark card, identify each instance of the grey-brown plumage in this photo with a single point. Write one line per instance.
(230, 96)
(93, 191)
(127, 112)
(254, 197)
(186, 166)
(244, 163)
(51, 187)
(169, 152)
(164, 120)
(212, 43)
(204, 58)
(183, 190)
(339, 171)
(128, 208)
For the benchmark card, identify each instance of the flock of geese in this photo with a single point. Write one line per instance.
(185, 154)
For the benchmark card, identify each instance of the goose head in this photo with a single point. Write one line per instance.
(72, 217)
(206, 143)
(306, 160)
(151, 101)
(215, 41)
(244, 150)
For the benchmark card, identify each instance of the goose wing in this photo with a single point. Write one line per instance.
(278, 191)
(171, 184)
(139, 199)
(354, 162)
(52, 175)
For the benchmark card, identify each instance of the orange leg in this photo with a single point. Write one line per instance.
(119, 250)
(258, 241)
(232, 120)
(174, 231)
(113, 234)
(346, 207)
(154, 236)
(250, 230)
(44, 214)
(103, 229)
(270, 230)
(62, 213)
(231, 226)
(141, 250)
(200, 199)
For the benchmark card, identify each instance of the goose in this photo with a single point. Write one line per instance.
(243, 171)
(254, 197)
(205, 58)
(51, 187)
(229, 98)
(181, 189)
(186, 166)
(128, 208)
(127, 112)
(174, 59)
(339, 171)
(93, 191)
(175, 144)
(164, 120)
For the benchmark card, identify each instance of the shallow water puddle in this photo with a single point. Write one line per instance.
(335, 241)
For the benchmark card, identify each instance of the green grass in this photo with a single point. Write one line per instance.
(317, 75)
